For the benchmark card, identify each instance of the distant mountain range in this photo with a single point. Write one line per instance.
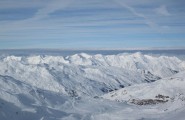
(51, 87)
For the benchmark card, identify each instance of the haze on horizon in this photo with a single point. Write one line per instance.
(92, 23)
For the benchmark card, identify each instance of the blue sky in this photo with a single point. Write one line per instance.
(92, 23)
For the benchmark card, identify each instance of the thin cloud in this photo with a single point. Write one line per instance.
(51, 7)
(92, 20)
(133, 11)
(42, 13)
(162, 10)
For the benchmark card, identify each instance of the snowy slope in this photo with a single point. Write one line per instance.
(92, 75)
(170, 91)
(20, 101)
(57, 87)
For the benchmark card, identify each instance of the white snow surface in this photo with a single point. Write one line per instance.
(91, 87)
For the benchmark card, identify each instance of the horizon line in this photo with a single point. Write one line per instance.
(143, 48)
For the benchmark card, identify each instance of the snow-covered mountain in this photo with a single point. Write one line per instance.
(169, 90)
(89, 74)
(77, 86)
